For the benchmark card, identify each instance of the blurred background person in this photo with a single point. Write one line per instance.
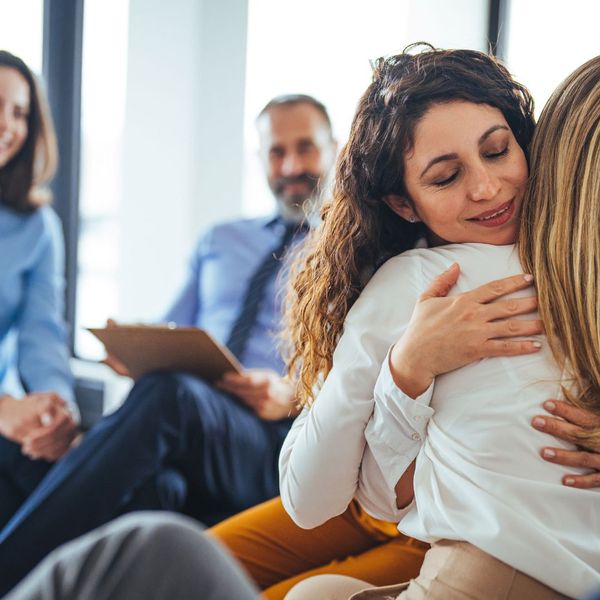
(37, 411)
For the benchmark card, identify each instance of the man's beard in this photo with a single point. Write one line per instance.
(295, 207)
(311, 182)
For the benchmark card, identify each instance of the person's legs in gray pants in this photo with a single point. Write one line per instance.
(142, 555)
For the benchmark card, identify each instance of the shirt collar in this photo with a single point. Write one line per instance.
(276, 221)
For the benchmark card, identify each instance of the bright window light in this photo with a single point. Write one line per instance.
(548, 39)
(22, 29)
(103, 96)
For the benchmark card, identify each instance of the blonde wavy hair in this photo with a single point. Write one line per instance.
(559, 238)
(359, 231)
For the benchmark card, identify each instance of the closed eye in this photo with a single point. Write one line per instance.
(493, 155)
(447, 181)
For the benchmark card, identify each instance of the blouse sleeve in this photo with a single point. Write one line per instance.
(394, 436)
(43, 356)
(320, 463)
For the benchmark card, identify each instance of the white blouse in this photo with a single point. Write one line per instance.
(479, 476)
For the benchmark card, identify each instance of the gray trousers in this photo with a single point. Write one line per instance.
(139, 556)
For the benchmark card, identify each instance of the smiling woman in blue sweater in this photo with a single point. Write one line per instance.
(37, 413)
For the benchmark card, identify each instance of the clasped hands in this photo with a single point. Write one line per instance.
(40, 422)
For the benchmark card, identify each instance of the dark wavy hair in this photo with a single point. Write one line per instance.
(22, 180)
(359, 231)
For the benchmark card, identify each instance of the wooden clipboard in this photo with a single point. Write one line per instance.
(146, 348)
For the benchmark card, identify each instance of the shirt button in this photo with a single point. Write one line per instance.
(416, 437)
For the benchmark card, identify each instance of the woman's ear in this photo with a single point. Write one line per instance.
(402, 207)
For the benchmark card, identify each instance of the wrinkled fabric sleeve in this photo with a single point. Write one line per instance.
(374, 493)
(394, 436)
(320, 462)
(42, 351)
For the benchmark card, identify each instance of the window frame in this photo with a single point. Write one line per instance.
(62, 60)
(497, 40)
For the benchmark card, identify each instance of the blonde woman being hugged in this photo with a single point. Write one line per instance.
(37, 412)
(451, 162)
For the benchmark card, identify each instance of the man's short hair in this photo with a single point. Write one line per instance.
(293, 99)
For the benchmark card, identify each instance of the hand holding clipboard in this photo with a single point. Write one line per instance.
(146, 348)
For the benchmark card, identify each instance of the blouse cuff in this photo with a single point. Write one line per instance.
(409, 416)
(398, 425)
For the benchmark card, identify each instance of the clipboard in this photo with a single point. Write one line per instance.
(146, 348)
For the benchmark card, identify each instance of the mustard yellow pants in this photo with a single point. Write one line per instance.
(278, 554)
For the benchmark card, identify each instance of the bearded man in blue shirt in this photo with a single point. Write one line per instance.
(178, 443)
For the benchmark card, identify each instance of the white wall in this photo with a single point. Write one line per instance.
(450, 23)
(565, 36)
(182, 146)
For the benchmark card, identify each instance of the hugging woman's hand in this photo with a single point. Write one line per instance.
(568, 423)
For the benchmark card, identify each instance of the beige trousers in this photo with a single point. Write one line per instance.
(451, 571)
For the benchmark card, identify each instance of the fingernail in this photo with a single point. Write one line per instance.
(528, 278)
(569, 481)
(548, 453)
(537, 344)
(539, 422)
(550, 406)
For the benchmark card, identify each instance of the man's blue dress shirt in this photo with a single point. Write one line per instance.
(33, 348)
(223, 262)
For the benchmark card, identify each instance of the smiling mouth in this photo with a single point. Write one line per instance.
(489, 216)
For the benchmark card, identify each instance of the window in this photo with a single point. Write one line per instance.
(21, 30)
(104, 74)
(547, 39)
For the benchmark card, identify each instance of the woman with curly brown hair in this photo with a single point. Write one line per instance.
(438, 149)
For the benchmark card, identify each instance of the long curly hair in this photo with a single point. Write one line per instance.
(559, 238)
(358, 230)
